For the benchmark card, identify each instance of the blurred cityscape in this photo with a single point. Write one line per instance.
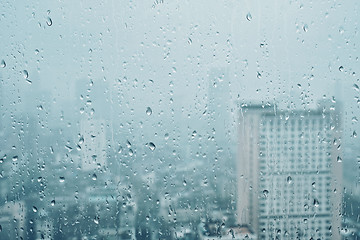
(270, 173)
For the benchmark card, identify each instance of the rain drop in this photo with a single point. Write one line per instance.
(289, 180)
(339, 159)
(305, 28)
(49, 21)
(3, 63)
(354, 134)
(356, 87)
(151, 146)
(248, 17)
(148, 111)
(266, 193)
(25, 74)
(34, 209)
(52, 203)
(316, 203)
(131, 152)
(94, 177)
(258, 75)
(341, 68)
(15, 158)
(61, 179)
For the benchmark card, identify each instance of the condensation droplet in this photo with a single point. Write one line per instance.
(94, 177)
(266, 193)
(61, 179)
(151, 146)
(3, 63)
(316, 203)
(34, 209)
(49, 21)
(354, 134)
(25, 74)
(289, 180)
(258, 75)
(52, 203)
(356, 87)
(148, 111)
(249, 17)
(341, 68)
(305, 28)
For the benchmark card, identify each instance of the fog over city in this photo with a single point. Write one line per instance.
(162, 119)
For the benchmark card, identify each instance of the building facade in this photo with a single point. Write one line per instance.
(289, 172)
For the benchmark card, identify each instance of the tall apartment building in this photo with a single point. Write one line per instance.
(289, 172)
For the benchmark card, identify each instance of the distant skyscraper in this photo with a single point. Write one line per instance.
(218, 104)
(93, 132)
(289, 172)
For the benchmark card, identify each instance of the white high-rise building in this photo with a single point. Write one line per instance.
(289, 172)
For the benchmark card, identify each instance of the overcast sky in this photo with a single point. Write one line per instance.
(284, 51)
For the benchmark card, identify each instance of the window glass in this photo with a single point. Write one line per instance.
(179, 119)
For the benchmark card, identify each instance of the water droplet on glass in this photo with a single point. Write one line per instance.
(52, 203)
(339, 159)
(94, 177)
(341, 68)
(184, 183)
(151, 146)
(356, 87)
(25, 74)
(289, 180)
(61, 179)
(266, 193)
(3, 63)
(189, 41)
(305, 28)
(354, 134)
(15, 158)
(194, 133)
(148, 111)
(48, 21)
(316, 203)
(258, 75)
(96, 220)
(131, 152)
(249, 17)
(34, 209)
